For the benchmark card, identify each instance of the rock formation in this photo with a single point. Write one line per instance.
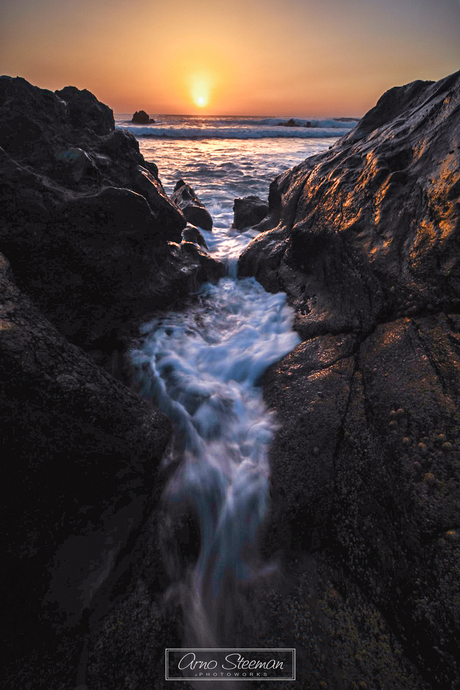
(85, 222)
(289, 123)
(248, 211)
(140, 117)
(185, 198)
(80, 463)
(365, 241)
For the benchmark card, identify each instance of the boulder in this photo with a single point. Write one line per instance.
(140, 117)
(185, 198)
(248, 211)
(364, 239)
(192, 234)
(85, 222)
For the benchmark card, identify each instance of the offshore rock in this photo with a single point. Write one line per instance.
(85, 222)
(140, 117)
(81, 455)
(185, 198)
(365, 241)
(248, 211)
(289, 123)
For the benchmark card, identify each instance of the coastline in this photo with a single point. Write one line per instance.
(364, 497)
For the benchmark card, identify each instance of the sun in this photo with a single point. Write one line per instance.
(200, 89)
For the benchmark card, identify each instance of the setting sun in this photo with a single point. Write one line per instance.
(200, 89)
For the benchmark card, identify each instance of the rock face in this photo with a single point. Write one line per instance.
(81, 455)
(185, 198)
(365, 241)
(140, 117)
(85, 222)
(248, 211)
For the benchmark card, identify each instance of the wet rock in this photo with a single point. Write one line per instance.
(185, 198)
(140, 117)
(353, 235)
(80, 462)
(192, 234)
(248, 211)
(364, 241)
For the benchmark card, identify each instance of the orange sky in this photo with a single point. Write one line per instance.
(261, 57)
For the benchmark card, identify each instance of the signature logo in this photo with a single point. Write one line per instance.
(230, 664)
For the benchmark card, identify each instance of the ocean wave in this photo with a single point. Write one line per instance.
(332, 123)
(254, 132)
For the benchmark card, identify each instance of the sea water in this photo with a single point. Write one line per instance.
(203, 365)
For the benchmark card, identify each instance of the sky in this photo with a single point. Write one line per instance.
(295, 58)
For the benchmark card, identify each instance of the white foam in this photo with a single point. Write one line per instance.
(238, 132)
(203, 367)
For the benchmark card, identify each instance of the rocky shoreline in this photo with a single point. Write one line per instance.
(365, 241)
(365, 512)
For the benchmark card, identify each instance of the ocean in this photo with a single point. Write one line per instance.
(202, 364)
(227, 157)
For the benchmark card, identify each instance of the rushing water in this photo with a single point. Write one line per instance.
(203, 367)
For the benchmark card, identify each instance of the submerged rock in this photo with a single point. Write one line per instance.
(364, 239)
(248, 211)
(185, 198)
(140, 117)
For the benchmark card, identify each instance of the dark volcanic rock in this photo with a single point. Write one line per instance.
(140, 117)
(369, 230)
(85, 221)
(80, 457)
(289, 123)
(365, 241)
(192, 234)
(248, 211)
(185, 198)
(84, 110)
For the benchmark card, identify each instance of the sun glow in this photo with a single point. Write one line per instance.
(200, 88)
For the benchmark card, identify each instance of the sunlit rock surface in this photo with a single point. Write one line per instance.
(184, 196)
(365, 241)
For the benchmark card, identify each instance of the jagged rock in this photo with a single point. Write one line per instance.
(185, 198)
(140, 117)
(368, 231)
(192, 234)
(248, 211)
(364, 239)
(80, 459)
(84, 220)
(85, 111)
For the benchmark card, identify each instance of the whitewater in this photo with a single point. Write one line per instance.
(203, 364)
